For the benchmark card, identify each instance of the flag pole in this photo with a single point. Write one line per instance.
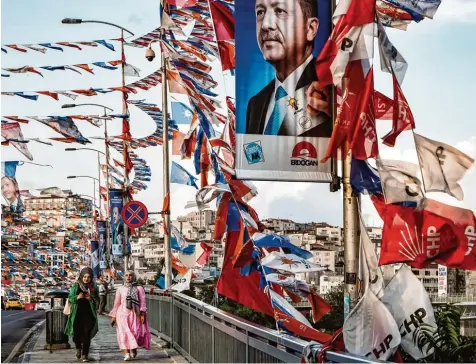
(165, 152)
(124, 143)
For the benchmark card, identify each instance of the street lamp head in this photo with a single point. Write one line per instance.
(68, 106)
(149, 54)
(69, 177)
(70, 149)
(71, 21)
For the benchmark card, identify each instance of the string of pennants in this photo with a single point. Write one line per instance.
(145, 84)
(88, 67)
(59, 46)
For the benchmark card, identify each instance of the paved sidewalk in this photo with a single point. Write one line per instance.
(104, 349)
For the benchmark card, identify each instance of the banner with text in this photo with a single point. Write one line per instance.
(284, 117)
(117, 225)
(102, 241)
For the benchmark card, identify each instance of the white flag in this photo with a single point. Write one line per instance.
(181, 283)
(399, 181)
(130, 70)
(406, 298)
(390, 57)
(370, 275)
(370, 329)
(290, 263)
(442, 166)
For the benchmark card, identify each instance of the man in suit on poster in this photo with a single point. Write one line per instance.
(293, 103)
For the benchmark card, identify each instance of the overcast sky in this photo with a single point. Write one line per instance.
(438, 86)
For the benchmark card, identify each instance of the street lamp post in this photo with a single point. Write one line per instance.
(99, 170)
(150, 55)
(80, 21)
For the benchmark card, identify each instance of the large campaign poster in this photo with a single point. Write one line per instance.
(117, 225)
(102, 240)
(10, 190)
(95, 258)
(284, 117)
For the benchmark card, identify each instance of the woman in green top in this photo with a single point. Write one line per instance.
(82, 322)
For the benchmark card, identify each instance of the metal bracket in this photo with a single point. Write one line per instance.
(335, 184)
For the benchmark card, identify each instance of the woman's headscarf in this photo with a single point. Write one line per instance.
(132, 298)
(89, 288)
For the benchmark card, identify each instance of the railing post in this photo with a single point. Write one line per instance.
(189, 333)
(213, 341)
(247, 347)
(173, 319)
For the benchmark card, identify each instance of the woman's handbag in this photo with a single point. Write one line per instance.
(67, 308)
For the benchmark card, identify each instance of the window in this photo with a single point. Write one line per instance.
(416, 272)
(427, 273)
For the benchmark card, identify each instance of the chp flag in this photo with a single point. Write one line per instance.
(284, 120)
(407, 300)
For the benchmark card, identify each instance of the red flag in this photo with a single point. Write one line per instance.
(242, 289)
(166, 205)
(383, 106)
(16, 118)
(48, 93)
(85, 92)
(402, 115)
(364, 143)
(207, 250)
(300, 329)
(464, 227)
(17, 48)
(221, 217)
(417, 237)
(85, 67)
(320, 307)
(223, 21)
(361, 12)
(227, 55)
(67, 44)
(244, 257)
(177, 141)
(346, 114)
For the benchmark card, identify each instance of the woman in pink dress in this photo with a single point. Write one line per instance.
(129, 313)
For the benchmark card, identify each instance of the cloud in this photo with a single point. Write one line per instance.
(135, 19)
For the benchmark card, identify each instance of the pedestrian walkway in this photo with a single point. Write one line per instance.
(104, 349)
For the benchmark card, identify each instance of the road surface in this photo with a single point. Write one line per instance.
(15, 324)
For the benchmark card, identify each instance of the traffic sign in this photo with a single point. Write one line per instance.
(134, 214)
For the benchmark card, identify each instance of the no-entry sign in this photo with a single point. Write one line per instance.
(134, 214)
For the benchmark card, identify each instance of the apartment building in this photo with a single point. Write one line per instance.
(199, 219)
(329, 282)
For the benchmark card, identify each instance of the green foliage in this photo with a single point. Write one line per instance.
(448, 345)
(334, 319)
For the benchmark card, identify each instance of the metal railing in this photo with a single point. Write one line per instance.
(202, 333)
(454, 298)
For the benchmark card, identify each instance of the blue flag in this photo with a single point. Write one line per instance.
(105, 44)
(280, 241)
(181, 113)
(181, 176)
(104, 65)
(48, 45)
(364, 178)
(9, 169)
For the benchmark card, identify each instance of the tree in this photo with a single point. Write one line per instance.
(448, 344)
(334, 319)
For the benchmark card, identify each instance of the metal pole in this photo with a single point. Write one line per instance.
(165, 150)
(351, 238)
(124, 144)
(108, 227)
(99, 178)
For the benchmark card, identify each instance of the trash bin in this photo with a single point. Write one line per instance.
(56, 321)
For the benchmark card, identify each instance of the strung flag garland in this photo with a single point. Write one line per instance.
(88, 67)
(58, 46)
(145, 84)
